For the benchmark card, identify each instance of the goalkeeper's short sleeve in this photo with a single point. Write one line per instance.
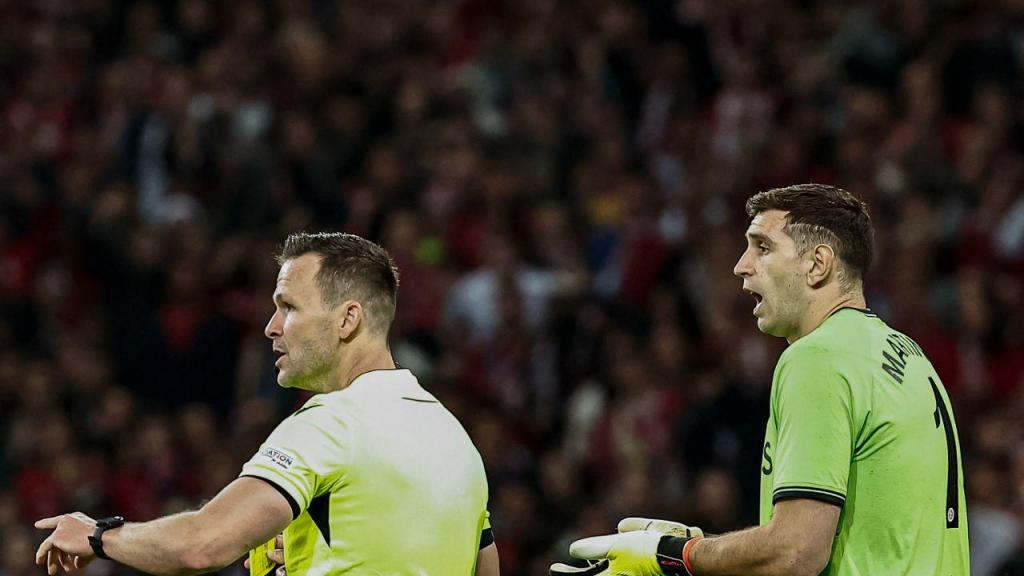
(813, 412)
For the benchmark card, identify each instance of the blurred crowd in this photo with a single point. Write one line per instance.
(561, 183)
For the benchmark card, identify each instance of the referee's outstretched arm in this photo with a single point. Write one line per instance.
(243, 515)
(333, 305)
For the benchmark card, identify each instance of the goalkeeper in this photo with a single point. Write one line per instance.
(371, 476)
(861, 470)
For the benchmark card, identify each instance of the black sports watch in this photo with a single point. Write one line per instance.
(102, 525)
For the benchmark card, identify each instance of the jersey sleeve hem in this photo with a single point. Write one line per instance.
(296, 510)
(809, 492)
(281, 481)
(486, 538)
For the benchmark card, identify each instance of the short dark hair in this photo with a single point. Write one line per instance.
(822, 214)
(350, 267)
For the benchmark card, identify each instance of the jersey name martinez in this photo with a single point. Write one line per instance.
(894, 360)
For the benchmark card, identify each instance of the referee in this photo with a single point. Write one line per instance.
(371, 476)
(861, 470)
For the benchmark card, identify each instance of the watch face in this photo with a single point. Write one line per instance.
(112, 522)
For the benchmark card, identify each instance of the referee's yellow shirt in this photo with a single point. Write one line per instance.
(382, 479)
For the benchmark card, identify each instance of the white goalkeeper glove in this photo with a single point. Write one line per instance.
(643, 547)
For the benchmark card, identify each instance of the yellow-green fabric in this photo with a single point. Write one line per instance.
(383, 478)
(860, 419)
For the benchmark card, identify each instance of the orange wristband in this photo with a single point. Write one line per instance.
(686, 554)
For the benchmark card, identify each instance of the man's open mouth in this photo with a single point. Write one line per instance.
(757, 297)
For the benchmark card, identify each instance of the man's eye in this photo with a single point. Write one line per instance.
(287, 307)
(763, 248)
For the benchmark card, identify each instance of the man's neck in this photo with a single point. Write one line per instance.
(377, 357)
(820, 311)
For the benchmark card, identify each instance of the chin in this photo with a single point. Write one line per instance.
(764, 326)
(284, 380)
(296, 383)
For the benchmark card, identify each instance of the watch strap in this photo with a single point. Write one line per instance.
(102, 525)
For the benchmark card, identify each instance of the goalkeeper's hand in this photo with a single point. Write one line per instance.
(643, 547)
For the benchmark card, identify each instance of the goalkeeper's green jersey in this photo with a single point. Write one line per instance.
(382, 479)
(859, 419)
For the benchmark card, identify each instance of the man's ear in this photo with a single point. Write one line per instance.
(823, 265)
(350, 319)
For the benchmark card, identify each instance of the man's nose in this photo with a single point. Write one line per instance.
(742, 267)
(273, 327)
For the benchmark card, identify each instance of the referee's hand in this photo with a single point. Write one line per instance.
(276, 556)
(67, 546)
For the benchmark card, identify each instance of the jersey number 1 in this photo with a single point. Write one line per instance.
(952, 480)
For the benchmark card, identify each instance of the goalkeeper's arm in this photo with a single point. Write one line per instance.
(797, 541)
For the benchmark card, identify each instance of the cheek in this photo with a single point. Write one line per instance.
(769, 278)
(307, 330)
(292, 327)
(780, 276)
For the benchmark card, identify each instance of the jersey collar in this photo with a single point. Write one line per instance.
(384, 380)
(864, 311)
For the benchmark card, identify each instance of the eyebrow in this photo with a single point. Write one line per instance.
(758, 237)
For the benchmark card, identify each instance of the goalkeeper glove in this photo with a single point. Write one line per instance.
(643, 547)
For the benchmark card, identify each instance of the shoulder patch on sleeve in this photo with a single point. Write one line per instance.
(280, 458)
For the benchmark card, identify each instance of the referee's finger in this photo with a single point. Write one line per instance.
(65, 561)
(276, 555)
(48, 523)
(51, 562)
(282, 571)
(43, 550)
(279, 542)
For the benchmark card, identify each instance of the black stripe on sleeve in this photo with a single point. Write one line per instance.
(486, 538)
(820, 494)
(291, 501)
